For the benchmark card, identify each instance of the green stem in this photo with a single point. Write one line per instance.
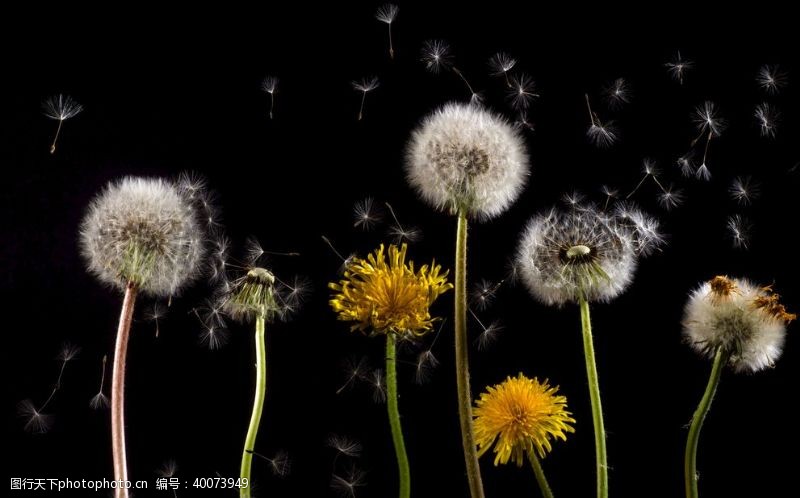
(118, 451)
(594, 396)
(258, 406)
(394, 417)
(540, 478)
(462, 362)
(690, 460)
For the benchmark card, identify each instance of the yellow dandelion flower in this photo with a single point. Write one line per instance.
(383, 296)
(521, 415)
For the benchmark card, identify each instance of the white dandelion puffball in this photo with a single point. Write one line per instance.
(743, 319)
(144, 231)
(564, 255)
(463, 157)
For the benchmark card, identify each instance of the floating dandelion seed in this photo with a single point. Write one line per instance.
(426, 362)
(488, 334)
(291, 295)
(573, 199)
(400, 233)
(61, 108)
(343, 445)
(387, 14)
(610, 194)
(771, 78)
(739, 231)
(347, 484)
(686, 165)
(366, 214)
(464, 158)
(522, 122)
(365, 85)
(356, 369)
(649, 169)
(710, 125)
(378, 384)
(521, 92)
(100, 400)
(670, 198)
(678, 67)
(280, 464)
(768, 119)
(744, 190)
(156, 313)
(168, 469)
(345, 261)
(436, 55)
(500, 64)
(599, 134)
(213, 336)
(36, 421)
(484, 292)
(617, 93)
(270, 86)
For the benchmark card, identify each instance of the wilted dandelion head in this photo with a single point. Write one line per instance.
(252, 296)
(463, 157)
(564, 255)
(521, 415)
(383, 296)
(746, 321)
(143, 231)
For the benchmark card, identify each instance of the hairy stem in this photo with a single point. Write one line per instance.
(690, 458)
(594, 396)
(118, 390)
(394, 417)
(462, 362)
(540, 478)
(258, 406)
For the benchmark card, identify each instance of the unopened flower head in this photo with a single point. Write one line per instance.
(252, 296)
(746, 321)
(146, 232)
(464, 157)
(383, 296)
(564, 255)
(520, 415)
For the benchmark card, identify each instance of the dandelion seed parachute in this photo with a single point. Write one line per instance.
(467, 158)
(745, 320)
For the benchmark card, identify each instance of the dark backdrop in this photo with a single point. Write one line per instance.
(169, 93)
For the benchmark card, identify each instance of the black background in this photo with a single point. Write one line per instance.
(169, 93)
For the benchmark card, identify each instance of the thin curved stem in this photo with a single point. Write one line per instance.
(462, 362)
(690, 458)
(118, 390)
(540, 478)
(55, 139)
(258, 406)
(394, 417)
(594, 396)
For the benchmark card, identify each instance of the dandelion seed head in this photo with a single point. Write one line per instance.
(366, 215)
(366, 84)
(280, 464)
(99, 401)
(36, 422)
(565, 254)
(426, 363)
(768, 118)
(678, 67)
(68, 352)
(744, 190)
(602, 135)
(378, 384)
(387, 13)
(488, 335)
(436, 55)
(144, 231)
(168, 469)
(484, 293)
(649, 167)
(345, 485)
(501, 63)
(61, 107)
(344, 445)
(213, 336)
(519, 416)
(670, 198)
(745, 320)
(686, 165)
(466, 158)
(270, 84)
(771, 78)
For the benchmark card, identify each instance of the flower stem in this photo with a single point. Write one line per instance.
(258, 405)
(462, 362)
(540, 478)
(118, 390)
(594, 396)
(394, 417)
(690, 460)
